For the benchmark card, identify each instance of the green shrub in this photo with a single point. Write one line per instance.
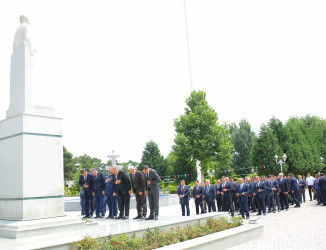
(172, 188)
(157, 237)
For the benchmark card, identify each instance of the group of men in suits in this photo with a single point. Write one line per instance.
(117, 188)
(266, 194)
(319, 188)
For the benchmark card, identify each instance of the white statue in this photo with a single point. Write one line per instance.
(23, 34)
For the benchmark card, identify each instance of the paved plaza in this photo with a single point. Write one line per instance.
(298, 228)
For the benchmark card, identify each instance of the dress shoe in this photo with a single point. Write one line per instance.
(150, 218)
(296, 206)
(86, 217)
(247, 218)
(119, 217)
(155, 217)
(137, 218)
(113, 217)
(259, 214)
(97, 217)
(125, 217)
(274, 211)
(101, 217)
(264, 214)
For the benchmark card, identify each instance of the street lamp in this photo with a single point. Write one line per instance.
(280, 162)
(210, 173)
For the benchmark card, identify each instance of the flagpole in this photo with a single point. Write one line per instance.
(188, 45)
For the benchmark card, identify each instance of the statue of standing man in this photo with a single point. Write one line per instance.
(23, 34)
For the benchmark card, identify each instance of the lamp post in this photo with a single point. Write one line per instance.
(211, 173)
(280, 162)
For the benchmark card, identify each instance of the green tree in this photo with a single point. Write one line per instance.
(69, 164)
(199, 136)
(153, 158)
(181, 168)
(243, 139)
(87, 162)
(265, 147)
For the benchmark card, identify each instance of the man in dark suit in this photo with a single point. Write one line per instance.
(152, 190)
(210, 196)
(198, 193)
(260, 194)
(98, 192)
(183, 193)
(219, 202)
(111, 195)
(225, 190)
(322, 188)
(294, 186)
(243, 194)
(276, 193)
(270, 194)
(138, 187)
(302, 188)
(235, 201)
(284, 189)
(86, 182)
(122, 183)
(252, 186)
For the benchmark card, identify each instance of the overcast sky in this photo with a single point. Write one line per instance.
(117, 71)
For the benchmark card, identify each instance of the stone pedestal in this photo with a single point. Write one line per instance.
(31, 163)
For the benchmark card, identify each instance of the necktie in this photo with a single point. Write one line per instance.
(207, 189)
(133, 176)
(241, 186)
(85, 178)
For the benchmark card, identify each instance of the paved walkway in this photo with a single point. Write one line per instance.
(298, 228)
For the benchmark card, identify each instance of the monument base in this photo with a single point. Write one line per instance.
(21, 229)
(31, 162)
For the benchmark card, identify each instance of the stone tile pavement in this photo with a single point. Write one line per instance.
(297, 228)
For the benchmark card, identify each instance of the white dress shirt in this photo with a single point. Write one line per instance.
(310, 180)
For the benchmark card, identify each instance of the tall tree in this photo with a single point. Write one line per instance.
(242, 138)
(263, 151)
(153, 158)
(199, 136)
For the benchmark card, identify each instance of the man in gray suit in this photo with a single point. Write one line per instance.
(152, 191)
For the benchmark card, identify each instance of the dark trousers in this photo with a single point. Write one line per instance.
(153, 200)
(99, 201)
(317, 195)
(227, 205)
(261, 205)
(184, 206)
(284, 201)
(219, 203)
(253, 203)
(244, 208)
(124, 203)
(303, 195)
(111, 201)
(141, 204)
(235, 200)
(310, 189)
(211, 206)
(270, 202)
(199, 203)
(89, 204)
(323, 196)
(277, 201)
(296, 196)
